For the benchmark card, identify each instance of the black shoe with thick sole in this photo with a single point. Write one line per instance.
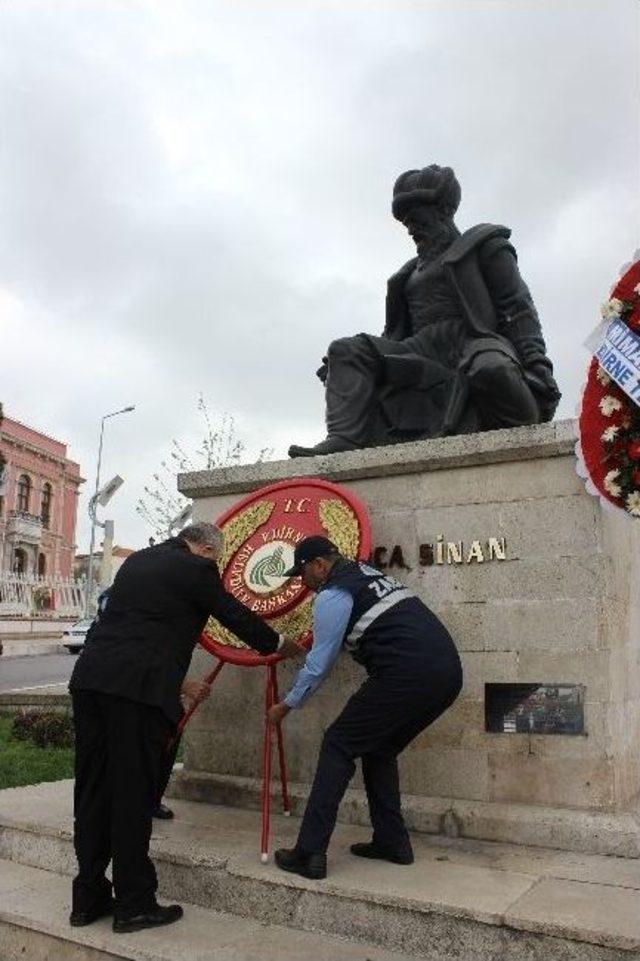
(312, 866)
(370, 850)
(154, 918)
(330, 445)
(78, 919)
(162, 812)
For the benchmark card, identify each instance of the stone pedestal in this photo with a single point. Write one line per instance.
(536, 583)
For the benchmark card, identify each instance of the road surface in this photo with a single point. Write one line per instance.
(38, 670)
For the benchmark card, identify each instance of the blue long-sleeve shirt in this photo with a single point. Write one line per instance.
(331, 612)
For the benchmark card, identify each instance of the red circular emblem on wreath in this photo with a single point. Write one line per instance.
(260, 536)
(608, 448)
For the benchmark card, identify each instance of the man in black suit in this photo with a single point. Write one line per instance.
(160, 810)
(126, 690)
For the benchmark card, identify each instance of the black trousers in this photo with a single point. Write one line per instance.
(378, 721)
(166, 768)
(120, 746)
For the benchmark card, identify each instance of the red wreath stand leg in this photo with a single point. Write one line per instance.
(271, 698)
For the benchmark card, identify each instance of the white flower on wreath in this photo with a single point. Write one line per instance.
(610, 483)
(633, 503)
(609, 434)
(603, 377)
(609, 404)
(612, 308)
(636, 289)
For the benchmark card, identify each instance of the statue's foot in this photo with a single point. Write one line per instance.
(330, 445)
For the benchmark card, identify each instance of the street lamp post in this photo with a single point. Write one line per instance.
(89, 585)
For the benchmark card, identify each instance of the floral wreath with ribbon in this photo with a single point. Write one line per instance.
(608, 449)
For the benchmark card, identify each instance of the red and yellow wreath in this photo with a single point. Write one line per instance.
(608, 448)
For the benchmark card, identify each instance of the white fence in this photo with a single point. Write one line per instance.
(27, 595)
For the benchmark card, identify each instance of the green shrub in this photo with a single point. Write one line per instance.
(22, 762)
(22, 727)
(45, 729)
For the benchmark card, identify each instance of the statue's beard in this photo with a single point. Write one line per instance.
(435, 238)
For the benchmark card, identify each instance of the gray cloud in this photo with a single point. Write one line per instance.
(196, 197)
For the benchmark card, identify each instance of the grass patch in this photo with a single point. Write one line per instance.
(22, 762)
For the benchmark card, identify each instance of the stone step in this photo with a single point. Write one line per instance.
(591, 832)
(462, 900)
(35, 904)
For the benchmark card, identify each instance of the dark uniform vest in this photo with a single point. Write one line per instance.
(390, 628)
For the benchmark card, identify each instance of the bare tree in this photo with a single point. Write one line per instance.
(219, 447)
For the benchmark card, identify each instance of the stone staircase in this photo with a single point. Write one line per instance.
(461, 901)
(33, 926)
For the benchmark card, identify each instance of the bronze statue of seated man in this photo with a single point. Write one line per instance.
(462, 349)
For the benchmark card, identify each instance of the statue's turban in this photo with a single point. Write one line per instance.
(431, 185)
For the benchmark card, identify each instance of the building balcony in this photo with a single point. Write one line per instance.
(24, 527)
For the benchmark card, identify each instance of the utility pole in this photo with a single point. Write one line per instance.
(93, 507)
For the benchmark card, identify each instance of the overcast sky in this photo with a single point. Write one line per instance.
(195, 197)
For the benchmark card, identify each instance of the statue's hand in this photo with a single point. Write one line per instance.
(323, 370)
(548, 381)
(543, 384)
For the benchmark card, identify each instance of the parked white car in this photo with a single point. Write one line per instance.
(74, 636)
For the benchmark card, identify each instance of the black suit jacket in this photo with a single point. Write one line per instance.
(158, 605)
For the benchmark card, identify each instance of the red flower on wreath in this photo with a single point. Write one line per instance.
(609, 422)
(633, 450)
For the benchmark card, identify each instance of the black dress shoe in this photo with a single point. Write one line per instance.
(330, 445)
(312, 866)
(163, 812)
(78, 919)
(154, 918)
(371, 850)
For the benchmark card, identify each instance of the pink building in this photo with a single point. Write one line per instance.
(38, 502)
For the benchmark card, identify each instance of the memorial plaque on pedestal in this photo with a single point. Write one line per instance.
(534, 708)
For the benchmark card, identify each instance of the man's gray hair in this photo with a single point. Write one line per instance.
(204, 533)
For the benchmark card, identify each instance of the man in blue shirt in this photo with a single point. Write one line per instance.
(414, 675)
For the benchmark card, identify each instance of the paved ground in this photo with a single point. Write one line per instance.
(583, 898)
(41, 670)
(40, 902)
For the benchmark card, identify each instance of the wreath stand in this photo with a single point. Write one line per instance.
(295, 509)
(246, 657)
